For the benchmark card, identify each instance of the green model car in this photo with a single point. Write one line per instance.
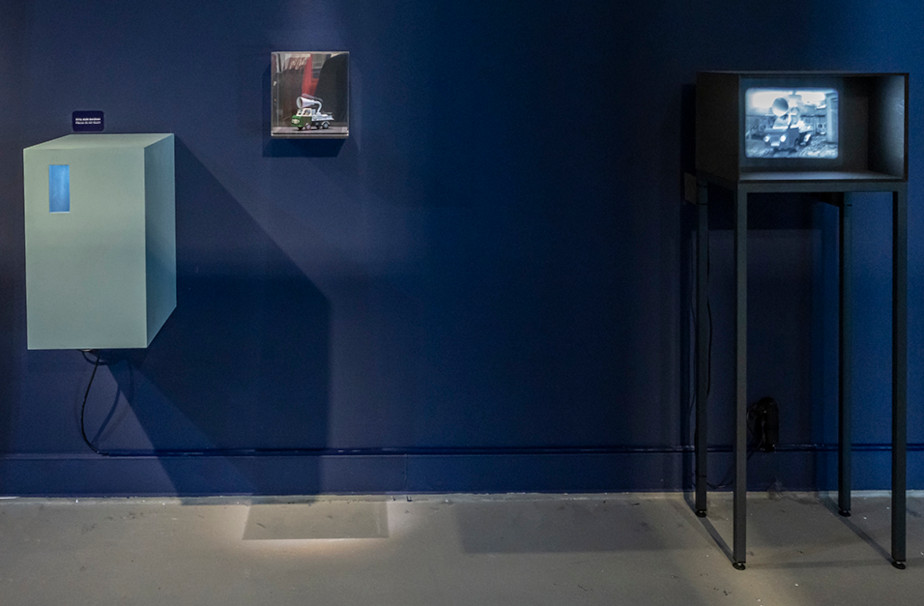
(310, 117)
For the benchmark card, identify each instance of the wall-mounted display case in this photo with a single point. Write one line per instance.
(310, 94)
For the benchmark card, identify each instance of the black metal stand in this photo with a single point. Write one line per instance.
(841, 186)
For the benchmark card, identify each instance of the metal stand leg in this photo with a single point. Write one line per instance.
(844, 377)
(899, 371)
(700, 441)
(741, 364)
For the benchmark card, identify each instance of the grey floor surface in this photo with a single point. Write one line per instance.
(452, 549)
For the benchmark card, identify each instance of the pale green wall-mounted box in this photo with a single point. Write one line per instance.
(100, 240)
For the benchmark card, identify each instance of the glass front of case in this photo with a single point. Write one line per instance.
(310, 94)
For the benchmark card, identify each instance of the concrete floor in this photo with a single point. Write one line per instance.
(443, 550)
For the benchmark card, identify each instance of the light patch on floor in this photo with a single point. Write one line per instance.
(322, 519)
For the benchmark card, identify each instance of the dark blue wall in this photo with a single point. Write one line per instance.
(486, 287)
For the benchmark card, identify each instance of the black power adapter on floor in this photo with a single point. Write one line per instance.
(764, 423)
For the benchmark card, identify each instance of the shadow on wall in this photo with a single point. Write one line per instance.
(242, 364)
(12, 301)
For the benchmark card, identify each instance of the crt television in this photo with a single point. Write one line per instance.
(801, 125)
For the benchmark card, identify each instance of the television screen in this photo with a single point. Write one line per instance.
(791, 123)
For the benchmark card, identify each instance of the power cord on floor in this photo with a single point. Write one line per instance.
(86, 394)
(727, 478)
(763, 434)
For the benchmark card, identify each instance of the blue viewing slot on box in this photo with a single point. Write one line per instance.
(59, 188)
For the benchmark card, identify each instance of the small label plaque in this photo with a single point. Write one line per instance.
(88, 121)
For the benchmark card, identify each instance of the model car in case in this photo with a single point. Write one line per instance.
(310, 94)
(310, 115)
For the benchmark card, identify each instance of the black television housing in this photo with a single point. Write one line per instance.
(850, 125)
